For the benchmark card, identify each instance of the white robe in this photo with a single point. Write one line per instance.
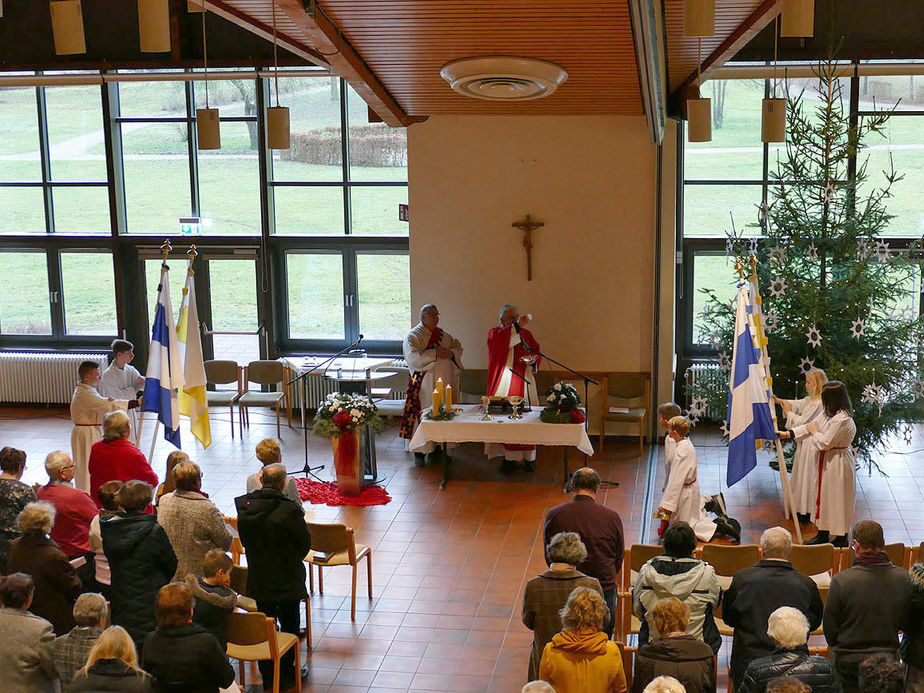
(87, 410)
(419, 358)
(804, 478)
(838, 477)
(681, 494)
(670, 449)
(120, 383)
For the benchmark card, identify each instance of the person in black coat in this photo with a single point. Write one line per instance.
(273, 531)
(790, 630)
(758, 591)
(913, 640)
(141, 559)
(112, 666)
(182, 656)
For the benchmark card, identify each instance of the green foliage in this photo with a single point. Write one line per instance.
(821, 239)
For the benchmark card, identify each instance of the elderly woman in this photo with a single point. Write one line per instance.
(116, 458)
(72, 649)
(193, 523)
(675, 654)
(547, 593)
(75, 509)
(34, 553)
(14, 496)
(141, 560)
(112, 666)
(789, 629)
(581, 659)
(269, 452)
(665, 684)
(26, 663)
(678, 574)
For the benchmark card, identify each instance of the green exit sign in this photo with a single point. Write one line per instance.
(190, 226)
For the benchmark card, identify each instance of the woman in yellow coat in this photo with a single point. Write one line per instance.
(581, 659)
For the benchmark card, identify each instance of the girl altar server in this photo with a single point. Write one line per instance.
(798, 413)
(837, 485)
(681, 499)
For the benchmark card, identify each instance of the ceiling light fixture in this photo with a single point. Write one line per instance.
(504, 78)
(277, 117)
(699, 110)
(798, 18)
(208, 124)
(154, 25)
(195, 6)
(773, 110)
(699, 18)
(67, 27)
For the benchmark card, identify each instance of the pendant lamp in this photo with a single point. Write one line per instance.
(798, 18)
(154, 25)
(699, 120)
(208, 124)
(699, 18)
(277, 117)
(67, 27)
(773, 110)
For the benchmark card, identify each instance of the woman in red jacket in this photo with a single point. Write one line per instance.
(116, 458)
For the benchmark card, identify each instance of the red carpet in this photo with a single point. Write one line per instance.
(328, 493)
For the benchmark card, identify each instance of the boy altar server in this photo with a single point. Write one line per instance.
(121, 380)
(681, 499)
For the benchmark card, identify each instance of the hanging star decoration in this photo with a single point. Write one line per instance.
(729, 246)
(777, 254)
(814, 336)
(874, 394)
(724, 428)
(882, 251)
(857, 328)
(907, 434)
(778, 287)
(812, 252)
(752, 246)
(906, 313)
(829, 191)
(918, 388)
(692, 416)
(771, 319)
(698, 406)
(724, 361)
(862, 249)
(806, 365)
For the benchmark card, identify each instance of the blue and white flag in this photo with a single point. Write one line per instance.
(165, 368)
(749, 415)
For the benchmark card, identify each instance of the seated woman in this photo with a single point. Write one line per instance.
(26, 661)
(581, 659)
(678, 574)
(269, 452)
(112, 666)
(14, 496)
(547, 593)
(678, 655)
(790, 631)
(34, 553)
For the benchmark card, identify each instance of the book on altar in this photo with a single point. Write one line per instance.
(619, 410)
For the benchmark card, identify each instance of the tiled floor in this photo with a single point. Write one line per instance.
(449, 566)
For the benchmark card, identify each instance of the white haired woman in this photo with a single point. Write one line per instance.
(581, 659)
(789, 629)
(546, 594)
(665, 684)
(35, 553)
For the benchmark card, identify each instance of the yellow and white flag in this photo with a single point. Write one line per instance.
(193, 399)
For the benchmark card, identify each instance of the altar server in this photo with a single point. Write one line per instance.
(431, 354)
(681, 499)
(836, 496)
(121, 380)
(87, 409)
(799, 412)
(666, 412)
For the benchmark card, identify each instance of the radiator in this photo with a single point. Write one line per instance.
(34, 378)
(709, 376)
(317, 388)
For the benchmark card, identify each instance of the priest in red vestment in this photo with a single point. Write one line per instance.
(512, 347)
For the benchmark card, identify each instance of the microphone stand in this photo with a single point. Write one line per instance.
(308, 469)
(528, 407)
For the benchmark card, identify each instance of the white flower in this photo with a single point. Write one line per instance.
(355, 412)
(557, 386)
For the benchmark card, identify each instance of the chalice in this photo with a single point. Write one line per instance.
(515, 403)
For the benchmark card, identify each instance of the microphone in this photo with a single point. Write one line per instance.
(360, 338)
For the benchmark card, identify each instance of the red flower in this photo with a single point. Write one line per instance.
(342, 419)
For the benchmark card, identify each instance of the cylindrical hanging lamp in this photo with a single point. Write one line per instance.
(773, 120)
(207, 128)
(277, 127)
(699, 120)
(154, 25)
(798, 18)
(699, 18)
(67, 27)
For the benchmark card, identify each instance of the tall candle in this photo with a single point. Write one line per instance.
(439, 386)
(437, 400)
(448, 397)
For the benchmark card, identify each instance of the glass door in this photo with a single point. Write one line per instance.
(235, 329)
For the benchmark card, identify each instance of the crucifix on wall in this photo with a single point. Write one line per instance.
(527, 226)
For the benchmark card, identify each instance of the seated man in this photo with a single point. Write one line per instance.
(72, 649)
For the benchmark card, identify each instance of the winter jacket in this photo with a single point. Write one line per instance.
(583, 662)
(273, 531)
(817, 672)
(195, 526)
(111, 675)
(186, 659)
(690, 580)
(913, 640)
(141, 561)
(213, 604)
(56, 583)
(687, 659)
(753, 595)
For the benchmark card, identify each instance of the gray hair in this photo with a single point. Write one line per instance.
(115, 424)
(585, 478)
(427, 306)
(538, 687)
(90, 609)
(776, 542)
(37, 517)
(664, 684)
(274, 476)
(56, 462)
(505, 308)
(788, 627)
(566, 547)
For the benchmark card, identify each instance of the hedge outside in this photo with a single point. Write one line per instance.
(370, 145)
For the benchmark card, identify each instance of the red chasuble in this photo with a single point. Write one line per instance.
(498, 351)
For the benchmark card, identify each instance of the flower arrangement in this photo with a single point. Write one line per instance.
(340, 412)
(563, 405)
(442, 414)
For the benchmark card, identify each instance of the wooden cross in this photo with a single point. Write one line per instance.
(527, 226)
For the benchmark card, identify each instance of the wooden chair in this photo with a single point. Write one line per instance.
(917, 554)
(819, 562)
(899, 554)
(728, 560)
(627, 662)
(252, 637)
(630, 393)
(332, 545)
(268, 373)
(635, 557)
(239, 585)
(237, 550)
(220, 372)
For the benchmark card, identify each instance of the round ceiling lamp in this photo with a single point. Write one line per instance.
(503, 78)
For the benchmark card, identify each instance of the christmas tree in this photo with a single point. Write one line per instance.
(835, 296)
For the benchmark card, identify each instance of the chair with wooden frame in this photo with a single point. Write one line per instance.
(252, 637)
(899, 554)
(819, 562)
(332, 545)
(917, 553)
(635, 557)
(264, 373)
(726, 561)
(222, 372)
(630, 392)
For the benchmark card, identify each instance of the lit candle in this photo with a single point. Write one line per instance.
(439, 386)
(447, 396)
(437, 400)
